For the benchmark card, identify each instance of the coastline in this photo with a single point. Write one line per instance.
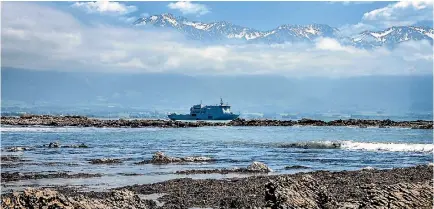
(82, 121)
(409, 187)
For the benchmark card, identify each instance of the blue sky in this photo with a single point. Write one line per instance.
(258, 15)
(97, 36)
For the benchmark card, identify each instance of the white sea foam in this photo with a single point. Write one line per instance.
(364, 146)
(392, 147)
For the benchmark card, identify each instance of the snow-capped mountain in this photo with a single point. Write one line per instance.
(285, 33)
(392, 36)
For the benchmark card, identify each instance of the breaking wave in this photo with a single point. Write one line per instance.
(364, 146)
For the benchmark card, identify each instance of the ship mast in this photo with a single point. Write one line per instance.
(221, 101)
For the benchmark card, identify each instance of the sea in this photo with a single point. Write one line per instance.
(314, 148)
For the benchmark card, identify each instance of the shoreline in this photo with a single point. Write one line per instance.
(82, 121)
(409, 187)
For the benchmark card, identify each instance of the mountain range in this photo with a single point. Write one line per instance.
(220, 31)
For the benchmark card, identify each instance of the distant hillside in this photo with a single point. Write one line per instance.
(245, 93)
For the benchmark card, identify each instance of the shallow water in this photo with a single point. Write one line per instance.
(319, 148)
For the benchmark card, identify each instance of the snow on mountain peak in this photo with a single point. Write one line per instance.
(285, 33)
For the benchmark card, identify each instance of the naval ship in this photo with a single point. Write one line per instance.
(207, 112)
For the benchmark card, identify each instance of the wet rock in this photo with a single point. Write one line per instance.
(16, 176)
(287, 192)
(296, 167)
(51, 120)
(54, 145)
(161, 158)
(105, 161)
(254, 168)
(47, 198)
(11, 158)
(17, 149)
(215, 171)
(197, 159)
(82, 145)
(397, 188)
(320, 189)
(259, 167)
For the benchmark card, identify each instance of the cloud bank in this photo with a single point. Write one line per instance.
(40, 37)
(187, 8)
(402, 13)
(105, 7)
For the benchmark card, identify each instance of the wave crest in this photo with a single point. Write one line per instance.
(363, 146)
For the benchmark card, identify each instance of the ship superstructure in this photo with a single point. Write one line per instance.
(207, 112)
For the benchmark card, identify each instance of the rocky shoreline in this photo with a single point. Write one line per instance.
(82, 121)
(409, 187)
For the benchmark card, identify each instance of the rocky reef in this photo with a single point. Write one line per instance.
(82, 121)
(255, 167)
(162, 158)
(17, 176)
(47, 198)
(362, 189)
(395, 188)
(409, 187)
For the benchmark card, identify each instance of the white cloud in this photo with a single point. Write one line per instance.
(187, 7)
(38, 37)
(333, 45)
(400, 13)
(403, 13)
(105, 7)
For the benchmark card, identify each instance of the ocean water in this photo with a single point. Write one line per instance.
(318, 148)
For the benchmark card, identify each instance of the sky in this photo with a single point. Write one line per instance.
(97, 36)
(260, 15)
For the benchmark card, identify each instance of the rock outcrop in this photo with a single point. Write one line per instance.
(259, 167)
(255, 167)
(105, 161)
(17, 149)
(46, 198)
(81, 121)
(162, 158)
(362, 189)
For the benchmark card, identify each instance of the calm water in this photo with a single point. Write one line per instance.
(230, 146)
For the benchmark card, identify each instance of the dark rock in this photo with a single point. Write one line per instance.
(82, 145)
(16, 176)
(398, 188)
(161, 158)
(47, 198)
(17, 149)
(50, 120)
(54, 145)
(320, 189)
(105, 161)
(259, 167)
(11, 158)
(295, 167)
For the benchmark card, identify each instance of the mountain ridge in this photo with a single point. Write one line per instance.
(223, 30)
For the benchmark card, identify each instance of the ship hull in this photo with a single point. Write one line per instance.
(203, 117)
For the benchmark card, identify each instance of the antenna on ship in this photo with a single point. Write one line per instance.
(221, 101)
